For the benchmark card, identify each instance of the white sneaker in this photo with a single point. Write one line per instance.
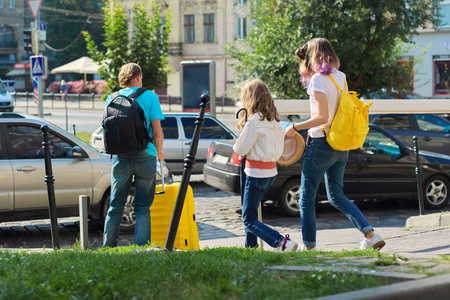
(303, 248)
(376, 242)
(287, 245)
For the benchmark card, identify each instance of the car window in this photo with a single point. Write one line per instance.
(170, 128)
(210, 130)
(377, 143)
(431, 123)
(26, 142)
(393, 122)
(2, 88)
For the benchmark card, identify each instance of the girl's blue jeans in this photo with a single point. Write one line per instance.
(254, 190)
(143, 166)
(320, 160)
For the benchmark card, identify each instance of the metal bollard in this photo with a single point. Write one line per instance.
(83, 201)
(49, 180)
(189, 162)
(418, 176)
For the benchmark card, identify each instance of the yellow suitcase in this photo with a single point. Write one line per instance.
(161, 213)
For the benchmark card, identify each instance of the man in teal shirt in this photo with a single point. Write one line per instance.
(141, 164)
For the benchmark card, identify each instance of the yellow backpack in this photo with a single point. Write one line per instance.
(351, 122)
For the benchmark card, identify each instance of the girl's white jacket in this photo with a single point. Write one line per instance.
(263, 141)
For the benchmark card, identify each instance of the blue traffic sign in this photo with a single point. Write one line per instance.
(37, 66)
(42, 26)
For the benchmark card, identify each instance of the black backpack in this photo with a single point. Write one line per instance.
(124, 125)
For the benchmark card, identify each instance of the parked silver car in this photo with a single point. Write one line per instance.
(78, 169)
(178, 130)
(6, 100)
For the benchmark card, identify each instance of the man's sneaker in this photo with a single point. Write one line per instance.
(376, 242)
(303, 248)
(287, 245)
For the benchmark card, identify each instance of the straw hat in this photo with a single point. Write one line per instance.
(293, 150)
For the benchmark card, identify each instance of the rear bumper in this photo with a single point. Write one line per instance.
(225, 181)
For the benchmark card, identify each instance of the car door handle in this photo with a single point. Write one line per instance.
(26, 168)
(367, 159)
(187, 143)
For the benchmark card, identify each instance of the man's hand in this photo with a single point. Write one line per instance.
(161, 156)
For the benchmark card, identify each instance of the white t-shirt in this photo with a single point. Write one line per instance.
(321, 83)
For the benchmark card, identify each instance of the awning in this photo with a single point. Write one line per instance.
(18, 72)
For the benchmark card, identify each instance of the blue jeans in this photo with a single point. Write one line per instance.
(321, 160)
(254, 190)
(143, 166)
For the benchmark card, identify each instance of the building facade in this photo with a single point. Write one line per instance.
(13, 15)
(200, 29)
(431, 80)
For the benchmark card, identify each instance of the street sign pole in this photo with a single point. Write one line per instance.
(41, 90)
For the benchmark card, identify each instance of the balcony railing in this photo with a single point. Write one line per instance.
(176, 49)
(8, 44)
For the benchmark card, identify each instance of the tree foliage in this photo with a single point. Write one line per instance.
(65, 20)
(144, 41)
(364, 34)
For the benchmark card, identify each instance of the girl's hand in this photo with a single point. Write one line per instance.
(242, 157)
(290, 132)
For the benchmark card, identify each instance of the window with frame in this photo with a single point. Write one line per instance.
(7, 37)
(393, 122)
(211, 129)
(441, 75)
(1, 3)
(170, 128)
(189, 29)
(377, 143)
(208, 28)
(242, 28)
(12, 3)
(431, 123)
(26, 142)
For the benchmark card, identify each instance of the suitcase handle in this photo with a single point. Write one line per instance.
(162, 178)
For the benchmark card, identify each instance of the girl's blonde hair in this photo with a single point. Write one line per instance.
(128, 72)
(316, 56)
(256, 98)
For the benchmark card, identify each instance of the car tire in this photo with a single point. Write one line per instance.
(129, 218)
(288, 201)
(436, 192)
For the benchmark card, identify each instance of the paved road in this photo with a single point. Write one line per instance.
(219, 222)
(88, 119)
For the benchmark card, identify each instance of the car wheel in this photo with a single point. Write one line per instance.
(436, 192)
(288, 201)
(128, 218)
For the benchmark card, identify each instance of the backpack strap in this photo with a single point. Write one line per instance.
(338, 87)
(137, 93)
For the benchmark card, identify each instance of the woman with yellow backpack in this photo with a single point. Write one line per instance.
(317, 60)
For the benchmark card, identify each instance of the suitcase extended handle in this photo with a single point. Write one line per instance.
(162, 178)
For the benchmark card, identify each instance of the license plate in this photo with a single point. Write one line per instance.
(220, 159)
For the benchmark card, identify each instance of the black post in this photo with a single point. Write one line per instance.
(50, 189)
(418, 177)
(189, 162)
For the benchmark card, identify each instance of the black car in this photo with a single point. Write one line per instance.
(383, 168)
(432, 130)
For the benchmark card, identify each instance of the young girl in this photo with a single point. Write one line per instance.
(261, 142)
(317, 59)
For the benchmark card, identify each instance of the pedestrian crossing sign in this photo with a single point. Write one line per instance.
(37, 66)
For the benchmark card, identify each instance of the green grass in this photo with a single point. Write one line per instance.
(125, 273)
(85, 136)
